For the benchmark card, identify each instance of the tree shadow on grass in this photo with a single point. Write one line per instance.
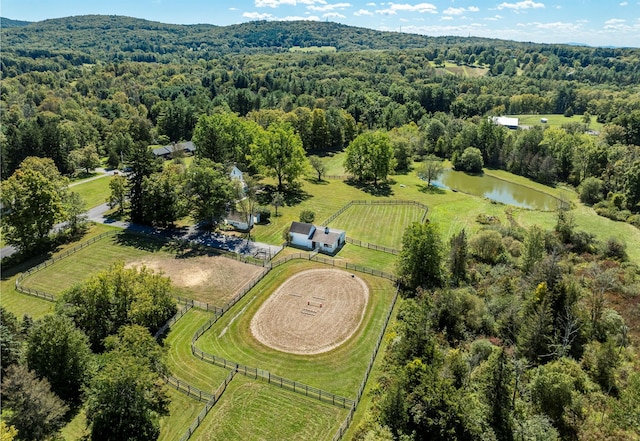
(382, 189)
(430, 189)
(140, 242)
(293, 195)
(316, 181)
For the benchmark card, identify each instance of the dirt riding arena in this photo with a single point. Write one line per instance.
(312, 312)
(209, 279)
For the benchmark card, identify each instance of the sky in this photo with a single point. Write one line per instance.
(591, 22)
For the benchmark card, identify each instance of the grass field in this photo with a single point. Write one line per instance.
(94, 192)
(378, 224)
(206, 278)
(313, 49)
(555, 120)
(338, 371)
(256, 411)
(181, 361)
(182, 412)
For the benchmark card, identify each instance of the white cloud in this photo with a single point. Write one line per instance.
(560, 27)
(525, 4)
(258, 16)
(394, 8)
(273, 3)
(297, 18)
(333, 15)
(454, 11)
(234, 9)
(362, 12)
(494, 18)
(371, 4)
(624, 4)
(329, 7)
(447, 17)
(616, 24)
(460, 11)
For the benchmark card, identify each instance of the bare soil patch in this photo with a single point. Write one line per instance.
(210, 279)
(312, 312)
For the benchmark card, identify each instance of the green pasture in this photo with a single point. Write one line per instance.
(253, 411)
(314, 49)
(338, 371)
(182, 412)
(96, 257)
(334, 161)
(94, 192)
(555, 120)
(366, 257)
(181, 362)
(378, 224)
(20, 304)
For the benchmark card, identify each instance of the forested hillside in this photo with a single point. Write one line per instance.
(505, 332)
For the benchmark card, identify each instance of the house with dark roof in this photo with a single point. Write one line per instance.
(166, 151)
(324, 239)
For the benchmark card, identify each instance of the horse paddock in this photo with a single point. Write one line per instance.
(312, 312)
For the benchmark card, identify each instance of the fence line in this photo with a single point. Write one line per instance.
(45, 295)
(260, 374)
(347, 422)
(335, 263)
(207, 407)
(371, 246)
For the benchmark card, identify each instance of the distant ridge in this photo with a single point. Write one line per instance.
(8, 23)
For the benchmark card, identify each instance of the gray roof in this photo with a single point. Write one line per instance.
(301, 228)
(168, 149)
(326, 236)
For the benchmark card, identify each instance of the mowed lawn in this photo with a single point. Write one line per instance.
(94, 192)
(96, 257)
(338, 371)
(251, 410)
(555, 120)
(182, 412)
(378, 224)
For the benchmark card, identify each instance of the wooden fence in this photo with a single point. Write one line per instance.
(45, 295)
(347, 422)
(371, 246)
(207, 407)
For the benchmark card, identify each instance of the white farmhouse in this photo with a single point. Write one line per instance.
(324, 239)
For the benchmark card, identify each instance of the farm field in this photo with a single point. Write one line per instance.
(207, 278)
(378, 224)
(338, 371)
(554, 120)
(251, 410)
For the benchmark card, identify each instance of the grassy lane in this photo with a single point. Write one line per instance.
(250, 410)
(378, 224)
(338, 371)
(182, 363)
(182, 412)
(555, 120)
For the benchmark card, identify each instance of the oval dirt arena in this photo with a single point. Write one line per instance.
(312, 312)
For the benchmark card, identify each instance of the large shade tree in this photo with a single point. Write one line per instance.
(278, 151)
(209, 190)
(33, 201)
(370, 157)
(421, 257)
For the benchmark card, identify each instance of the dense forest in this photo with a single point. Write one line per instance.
(507, 337)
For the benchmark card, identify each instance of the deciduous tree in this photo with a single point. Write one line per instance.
(430, 169)
(58, 351)
(420, 262)
(279, 152)
(209, 190)
(370, 157)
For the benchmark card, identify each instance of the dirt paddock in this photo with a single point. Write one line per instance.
(312, 312)
(211, 279)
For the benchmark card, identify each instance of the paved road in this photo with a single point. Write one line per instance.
(214, 240)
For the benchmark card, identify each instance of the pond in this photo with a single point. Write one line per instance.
(496, 189)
